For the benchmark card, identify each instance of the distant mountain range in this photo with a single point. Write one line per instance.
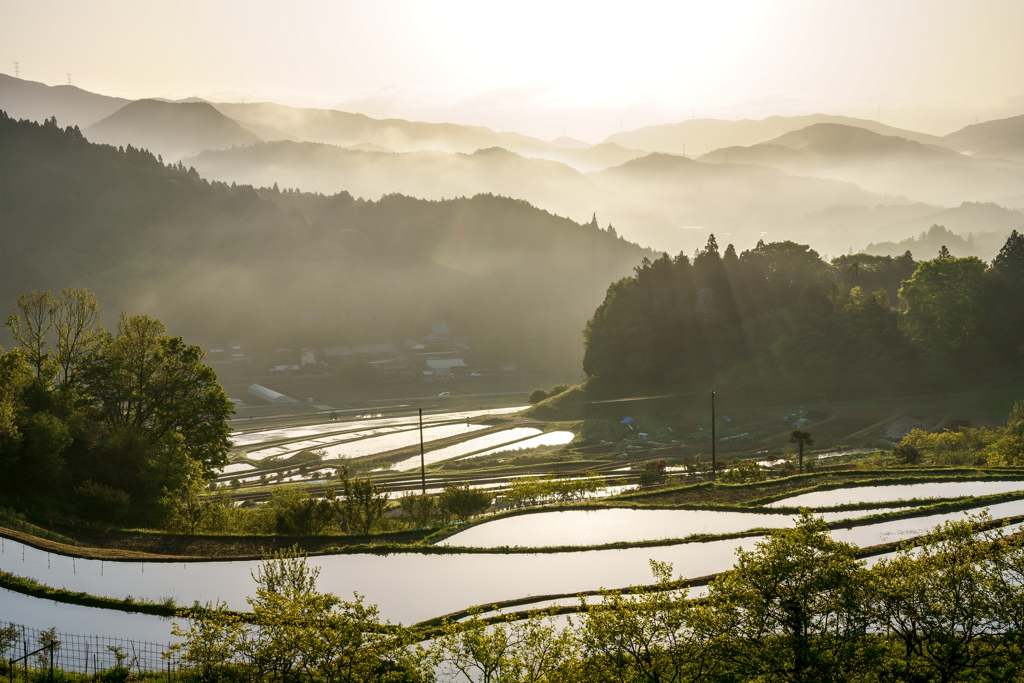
(881, 163)
(799, 177)
(72, 106)
(700, 136)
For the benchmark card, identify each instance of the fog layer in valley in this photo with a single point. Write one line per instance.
(838, 182)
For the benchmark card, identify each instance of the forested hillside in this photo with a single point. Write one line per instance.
(220, 262)
(778, 321)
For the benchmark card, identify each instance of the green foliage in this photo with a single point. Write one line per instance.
(363, 504)
(537, 395)
(462, 503)
(743, 472)
(792, 609)
(296, 513)
(778, 321)
(944, 304)
(296, 633)
(965, 446)
(529, 491)
(134, 415)
(652, 474)
(100, 502)
(421, 509)
(527, 650)
(905, 454)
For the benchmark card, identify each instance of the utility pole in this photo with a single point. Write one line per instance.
(69, 79)
(684, 150)
(423, 460)
(16, 70)
(713, 463)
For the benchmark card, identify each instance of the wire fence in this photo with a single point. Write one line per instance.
(26, 655)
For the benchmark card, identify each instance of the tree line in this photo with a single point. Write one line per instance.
(799, 606)
(777, 320)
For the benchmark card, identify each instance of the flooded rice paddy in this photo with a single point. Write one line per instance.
(549, 439)
(250, 440)
(471, 446)
(597, 527)
(885, 494)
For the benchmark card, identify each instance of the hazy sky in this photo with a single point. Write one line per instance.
(546, 67)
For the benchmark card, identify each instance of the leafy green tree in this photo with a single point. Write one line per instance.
(30, 330)
(462, 503)
(150, 383)
(646, 635)
(792, 609)
(537, 395)
(528, 650)
(939, 601)
(363, 504)
(801, 438)
(906, 454)
(297, 513)
(421, 509)
(296, 633)
(76, 322)
(943, 303)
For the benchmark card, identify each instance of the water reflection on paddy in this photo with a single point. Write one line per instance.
(469, 446)
(276, 434)
(597, 527)
(882, 494)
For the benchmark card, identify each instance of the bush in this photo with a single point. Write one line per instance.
(905, 454)
(101, 503)
(538, 395)
(653, 474)
(462, 503)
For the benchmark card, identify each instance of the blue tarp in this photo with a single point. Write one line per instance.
(627, 421)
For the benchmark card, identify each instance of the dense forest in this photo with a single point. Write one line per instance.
(778, 320)
(221, 262)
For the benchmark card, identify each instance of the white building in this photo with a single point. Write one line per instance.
(442, 367)
(269, 395)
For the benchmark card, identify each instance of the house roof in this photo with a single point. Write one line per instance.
(439, 363)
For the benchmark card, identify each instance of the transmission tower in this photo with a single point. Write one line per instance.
(69, 79)
(16, 71)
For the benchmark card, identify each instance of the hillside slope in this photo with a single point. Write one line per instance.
(1003, 138)
(72, 106)
(172, 129)
(226, 262)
